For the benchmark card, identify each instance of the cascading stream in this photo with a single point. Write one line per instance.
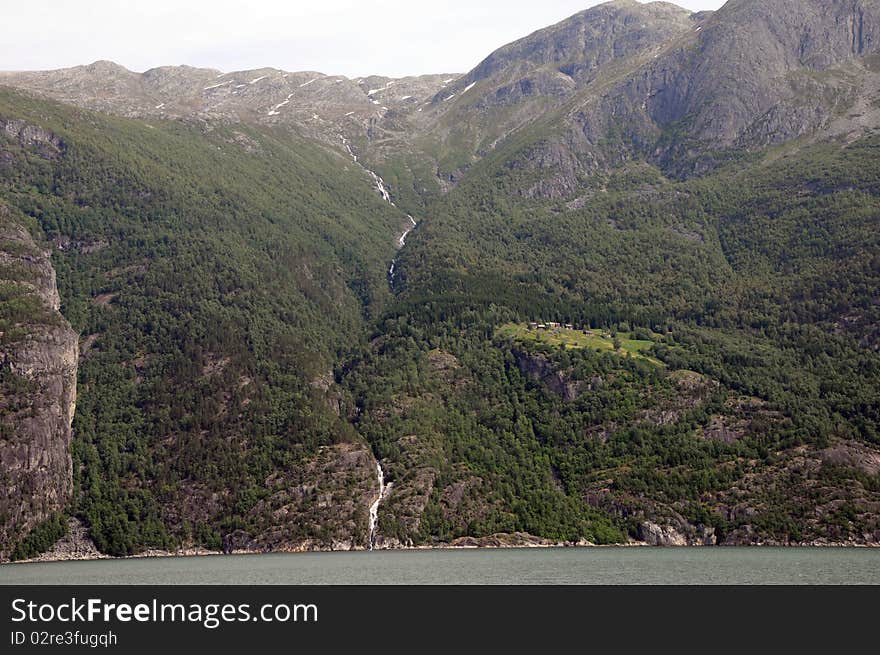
(386, 196)
(401, 241)
(374, 508)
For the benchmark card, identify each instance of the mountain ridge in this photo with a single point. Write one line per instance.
(675, 68)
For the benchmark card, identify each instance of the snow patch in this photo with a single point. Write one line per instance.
(449, 97)
(406, 97)
(159, 106)
(350, 113)
(469, 87)
(372, 91)
(258, 79)
(307, 83)
(217, 86)
(274, 110)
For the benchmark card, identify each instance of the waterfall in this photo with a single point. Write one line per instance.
(374, 508)
(378, 181)
(380, 184)
(402, 240)
(386, 196)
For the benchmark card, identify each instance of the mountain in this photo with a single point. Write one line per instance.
(685, 91)
(749, 75)
(214, 280)
(524, 81)
(616, 283)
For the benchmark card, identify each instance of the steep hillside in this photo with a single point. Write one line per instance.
(38, 359)
(517, 86)
(751, 75)
(215, 278)
(649, 202)
(751, 417)
(521, 82)
(628, 81)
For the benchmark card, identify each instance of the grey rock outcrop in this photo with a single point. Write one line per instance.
(38, 366)
(74, 545)
(559, 382)
(661, 535)
(750, 75)
(571, 52)
(683, 534)
(46, 143)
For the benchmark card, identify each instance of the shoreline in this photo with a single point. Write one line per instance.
(204, 552)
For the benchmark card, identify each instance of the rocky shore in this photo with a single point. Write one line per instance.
(76, 545)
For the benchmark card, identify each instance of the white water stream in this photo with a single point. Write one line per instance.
(386, 196)
(401, 241)
(374, 508)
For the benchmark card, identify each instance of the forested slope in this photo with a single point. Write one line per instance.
(757, 286)
(215, 277)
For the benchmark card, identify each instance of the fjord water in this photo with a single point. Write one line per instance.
(506, 566)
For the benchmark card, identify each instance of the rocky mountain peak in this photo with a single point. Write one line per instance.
(106, 67)
(590, 38)
(811, 33)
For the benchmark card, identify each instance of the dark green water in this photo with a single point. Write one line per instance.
(507, 566)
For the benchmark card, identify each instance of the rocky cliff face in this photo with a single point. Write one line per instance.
(750, 75)
(38, 363)
(540, 369)
(42, 141)
(754, 63)
(535, 77)
(575, 49)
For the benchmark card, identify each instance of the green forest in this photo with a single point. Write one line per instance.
(213, 284)
(210, 285)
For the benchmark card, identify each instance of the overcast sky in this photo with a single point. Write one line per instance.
(347, 37)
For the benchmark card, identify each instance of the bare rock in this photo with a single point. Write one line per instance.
(75, 545)
(541, 369)
(38, 365)
(661, 535)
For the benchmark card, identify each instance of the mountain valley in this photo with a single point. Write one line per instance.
(617, 284)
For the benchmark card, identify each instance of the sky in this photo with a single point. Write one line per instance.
(344, 37)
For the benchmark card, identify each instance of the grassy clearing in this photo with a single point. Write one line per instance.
(595, 339)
